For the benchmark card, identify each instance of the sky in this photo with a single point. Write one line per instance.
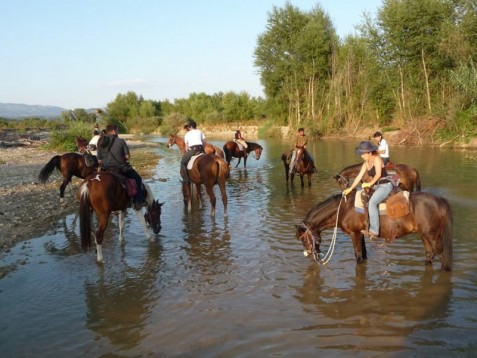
(83, 53)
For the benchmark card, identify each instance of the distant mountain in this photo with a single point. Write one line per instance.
(18, 111)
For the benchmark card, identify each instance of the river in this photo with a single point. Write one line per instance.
(240, 286)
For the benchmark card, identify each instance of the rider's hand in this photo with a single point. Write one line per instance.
(347, 191)
(366, 185)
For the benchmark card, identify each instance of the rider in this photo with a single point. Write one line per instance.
(113, 153)
(194, 141)
(93, 143)
(383, 148)
(239, 139)
(300, 142)
(374, 166)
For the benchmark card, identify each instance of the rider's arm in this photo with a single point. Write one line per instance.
(357, 180)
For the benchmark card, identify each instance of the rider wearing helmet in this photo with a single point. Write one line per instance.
(194, 141)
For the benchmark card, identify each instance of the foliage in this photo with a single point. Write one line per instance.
(64, 139)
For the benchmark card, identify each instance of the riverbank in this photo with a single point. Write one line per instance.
(28, 208)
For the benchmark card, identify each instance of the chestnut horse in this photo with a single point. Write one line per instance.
(69, 165)
(429, 215)
(409, 178)
(209, 170)
(232, 149)
(303, 165)
(209, 148)
(105, 193)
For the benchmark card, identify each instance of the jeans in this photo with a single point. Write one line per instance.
(378, 196)
(184, 160)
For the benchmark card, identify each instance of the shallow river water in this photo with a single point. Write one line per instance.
(240, 286)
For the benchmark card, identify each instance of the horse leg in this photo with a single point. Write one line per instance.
(102, 224)
(239, 159)
(224, 197)
(121, 227)
(63, 186)
(199, 199)
(302, 180)
(309, 179)
(245, 162)
(141, 219)
(430, 254)
(359, 247)
(213, 199)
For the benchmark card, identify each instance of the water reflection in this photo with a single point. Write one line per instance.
(381, 315)
(120, 299)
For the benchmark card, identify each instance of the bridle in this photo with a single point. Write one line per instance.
(308, 235)
(344, 179)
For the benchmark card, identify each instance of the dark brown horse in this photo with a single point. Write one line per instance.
(429, 215)
(209, 148)
(104, 193)
(69, 165)
(232, 149)
(208, 170)
(303, 165)
(409, 178)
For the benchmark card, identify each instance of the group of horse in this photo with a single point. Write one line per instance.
(212, 168)
(103, 193)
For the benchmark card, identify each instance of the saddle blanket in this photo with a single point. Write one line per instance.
(192, 160)
(359, 206)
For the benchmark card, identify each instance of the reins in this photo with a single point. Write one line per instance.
(327, 257)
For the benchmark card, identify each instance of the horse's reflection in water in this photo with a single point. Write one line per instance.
(373, 310)
(119, 300)
(209, 254)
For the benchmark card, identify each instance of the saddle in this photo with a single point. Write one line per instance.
(127, 183)
(395, 205)
(240, 146)
(190, 163)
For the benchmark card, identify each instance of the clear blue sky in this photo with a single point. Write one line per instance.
(82, 53)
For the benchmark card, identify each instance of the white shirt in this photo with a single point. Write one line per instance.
(94, 141)
(383, 145)
(194, 137)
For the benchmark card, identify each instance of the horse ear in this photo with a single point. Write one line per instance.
(160, 204)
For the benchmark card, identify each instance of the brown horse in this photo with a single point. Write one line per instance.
(209, 148)
(209, 170)
(429, 215)
(69, 165)
(105, 193)
(409, 178)
(303, 165)
(232, 149)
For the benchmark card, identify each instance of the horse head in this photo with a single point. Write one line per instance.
(257, 150)
(343, 182)
(311, 241)
(172, 140)
(153, 216)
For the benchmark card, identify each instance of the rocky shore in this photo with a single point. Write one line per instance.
(28, 208)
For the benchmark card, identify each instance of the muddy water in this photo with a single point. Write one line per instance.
(240, 286)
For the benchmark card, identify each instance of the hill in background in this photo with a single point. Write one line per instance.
(19, 111)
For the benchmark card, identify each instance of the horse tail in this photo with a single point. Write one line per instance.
(85, 216)
(447, 236)
(46, 171)
(418, 181)
(223, 170)
(228, 155)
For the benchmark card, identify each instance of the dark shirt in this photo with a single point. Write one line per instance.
(112, 155)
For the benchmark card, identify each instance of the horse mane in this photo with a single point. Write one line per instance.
(350, 167)
(323, 210)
